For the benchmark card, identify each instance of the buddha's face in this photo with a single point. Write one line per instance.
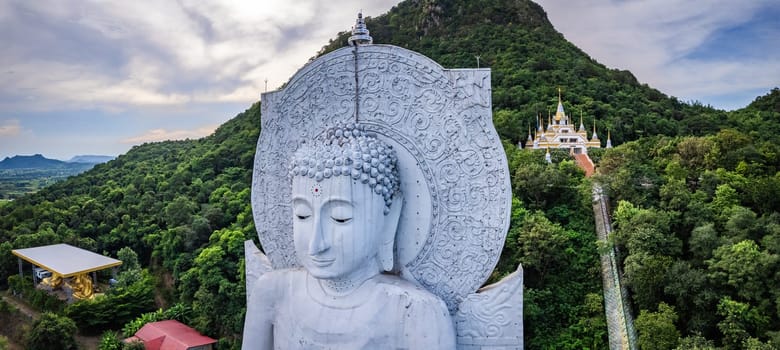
(336, 226)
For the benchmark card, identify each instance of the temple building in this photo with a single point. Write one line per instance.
(560, 132)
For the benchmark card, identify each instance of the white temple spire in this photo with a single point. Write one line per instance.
(539, 122)
(560, 114)
(360, 33)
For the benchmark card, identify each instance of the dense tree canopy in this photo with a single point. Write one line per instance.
(697, 222)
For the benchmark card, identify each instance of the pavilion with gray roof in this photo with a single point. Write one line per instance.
(64, 260)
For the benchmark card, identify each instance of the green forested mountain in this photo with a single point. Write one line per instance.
(183, 207)
(529, 60)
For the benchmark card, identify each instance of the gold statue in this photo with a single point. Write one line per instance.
(53, 282)
(82, 287)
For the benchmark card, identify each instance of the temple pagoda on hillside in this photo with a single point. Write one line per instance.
(561, 133)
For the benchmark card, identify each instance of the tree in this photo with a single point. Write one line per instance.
(656, 330)
(52, 331)
(645, 275)
(695, 342)
(129, 259)
(755, 344)
(743, 267)
(694, 153)
(215, 287)
(178, 312)
(645, 230)
(704, 240)
(3, 343)
(740, 321)
(537, 244)
(130, 271)
(7, 262)
(740, 224)
(118, 306)
(110, 341)
(179, 212)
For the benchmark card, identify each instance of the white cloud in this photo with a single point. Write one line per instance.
(155, 135)
(655, 38)
(114, 56)
(107, 55)
(697, 78)
(76, 86)
(10, 128)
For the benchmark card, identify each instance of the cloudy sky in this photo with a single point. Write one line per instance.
(97, 77)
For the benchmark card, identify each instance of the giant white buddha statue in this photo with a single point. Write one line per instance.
(346, 205)
(381, 198)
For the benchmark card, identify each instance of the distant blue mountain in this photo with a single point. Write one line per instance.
(92, 159)
(31, 162)
(38, 161)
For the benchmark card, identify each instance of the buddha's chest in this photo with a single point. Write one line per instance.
(309, 324)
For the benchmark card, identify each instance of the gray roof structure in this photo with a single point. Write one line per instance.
(66, 260)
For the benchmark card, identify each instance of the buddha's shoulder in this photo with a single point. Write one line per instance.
(398, 288)
(276, 280)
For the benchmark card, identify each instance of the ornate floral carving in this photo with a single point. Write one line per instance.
(492, 318)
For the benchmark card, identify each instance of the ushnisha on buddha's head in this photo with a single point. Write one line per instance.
(346, 204)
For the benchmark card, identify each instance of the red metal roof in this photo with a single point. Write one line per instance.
(171, 335)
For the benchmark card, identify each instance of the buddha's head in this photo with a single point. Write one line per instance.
(346, 203)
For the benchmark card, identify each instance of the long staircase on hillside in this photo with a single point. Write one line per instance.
(620, 322)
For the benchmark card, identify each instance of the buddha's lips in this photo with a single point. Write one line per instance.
(321, 262)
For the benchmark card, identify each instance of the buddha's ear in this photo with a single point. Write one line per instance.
(387, 236)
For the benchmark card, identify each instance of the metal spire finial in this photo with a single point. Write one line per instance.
(360, 33)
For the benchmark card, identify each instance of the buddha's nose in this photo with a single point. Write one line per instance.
(318, 242)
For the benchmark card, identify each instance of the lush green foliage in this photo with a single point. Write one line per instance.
(13, 324)
(657, 330)
(178, 312)
(697, 221)
(37, 298)
(52, 331)
(552, 235)
(110, 340)
(115, 308)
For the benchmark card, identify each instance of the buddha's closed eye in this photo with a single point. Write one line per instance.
(342, 220)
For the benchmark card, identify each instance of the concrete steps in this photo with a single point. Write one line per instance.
(583, 161)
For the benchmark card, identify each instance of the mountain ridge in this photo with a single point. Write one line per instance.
(36, 161)
(90, 158)
(39, 161)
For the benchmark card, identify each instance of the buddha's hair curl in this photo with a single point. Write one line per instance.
(350, 150)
